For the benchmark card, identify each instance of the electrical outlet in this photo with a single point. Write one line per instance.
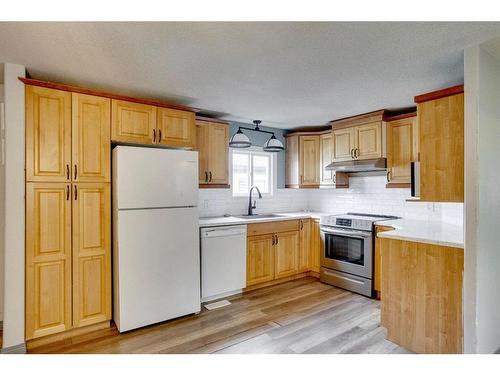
(205, 203)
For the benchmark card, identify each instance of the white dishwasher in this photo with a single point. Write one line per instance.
(223, 261)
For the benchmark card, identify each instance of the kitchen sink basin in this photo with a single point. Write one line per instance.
(258, 216)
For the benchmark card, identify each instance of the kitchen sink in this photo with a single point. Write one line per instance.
(258, 216)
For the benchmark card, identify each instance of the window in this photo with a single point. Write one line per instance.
(252, 167)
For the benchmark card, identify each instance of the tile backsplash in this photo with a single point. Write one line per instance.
(218, 202)
(366, 194)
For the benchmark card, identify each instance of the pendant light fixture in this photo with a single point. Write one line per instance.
(240, 140)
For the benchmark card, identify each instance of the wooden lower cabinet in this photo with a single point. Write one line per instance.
(304, 258)
(287, 254)
(260, 259)
(378, 259)
(421, 304)
(68, 270)
(316, 246)
(91, 254)
(282, 249)
(48, 259)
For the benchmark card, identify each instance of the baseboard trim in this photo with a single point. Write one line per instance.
(16, 349)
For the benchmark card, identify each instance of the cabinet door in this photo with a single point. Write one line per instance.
(260, 259)
(304, 259)
(286, 258)
(399, 152)
(91, 253)
(343, 144)
(326, 156)
(218, 154)
(368, 141)
(91, 143)
(441, 128)
(176, 128)
(202, 133)
(48, 134)
(309, 160)
(315, 246)
(48, 259)
(292, 161)
(133, 122)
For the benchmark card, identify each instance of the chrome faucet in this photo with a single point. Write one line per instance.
(250, 206)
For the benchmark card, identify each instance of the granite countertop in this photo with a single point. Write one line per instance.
(233, 220)
(430, 232)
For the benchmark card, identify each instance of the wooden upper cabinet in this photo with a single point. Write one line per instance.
(91, 123)
(292, 177)
(218, 154)
(326, 157)
(286, 254)
(202, 129)
(441, 143)
(48, 258)
(212, 143)
(368, 141)
(260, 259)
(343, 143)
(176, 128)
(91, 253)
(133, 122)
(309, 160)
(304, 258)
(48, 134)
(400, 151)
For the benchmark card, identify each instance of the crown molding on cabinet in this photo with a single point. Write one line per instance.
(81, 90)
(439, 94)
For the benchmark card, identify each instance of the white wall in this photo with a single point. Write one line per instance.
(482, 224)
(13, 326)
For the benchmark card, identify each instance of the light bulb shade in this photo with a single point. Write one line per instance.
(239, 140)
(273, 145)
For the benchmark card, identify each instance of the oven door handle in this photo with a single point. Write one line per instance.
(347, 233)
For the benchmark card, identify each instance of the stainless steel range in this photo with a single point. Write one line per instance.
(347, 250)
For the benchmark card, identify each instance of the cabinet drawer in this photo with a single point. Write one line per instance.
(272, 227)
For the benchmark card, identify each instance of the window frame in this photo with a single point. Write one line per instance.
(255, 150)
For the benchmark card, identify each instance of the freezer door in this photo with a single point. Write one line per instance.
(154, 177)
(156, 266)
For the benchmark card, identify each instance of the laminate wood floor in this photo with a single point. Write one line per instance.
(300, 316)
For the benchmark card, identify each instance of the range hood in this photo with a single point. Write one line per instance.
(352, 166)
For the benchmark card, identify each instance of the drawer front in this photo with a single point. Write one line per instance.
(272, 227)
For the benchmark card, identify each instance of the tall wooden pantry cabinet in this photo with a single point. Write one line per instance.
(68, 225)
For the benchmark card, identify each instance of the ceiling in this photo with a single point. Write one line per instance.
(286, 74)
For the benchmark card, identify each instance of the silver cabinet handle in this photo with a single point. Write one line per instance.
(388, 176)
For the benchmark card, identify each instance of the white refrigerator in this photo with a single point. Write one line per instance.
(156, 257)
